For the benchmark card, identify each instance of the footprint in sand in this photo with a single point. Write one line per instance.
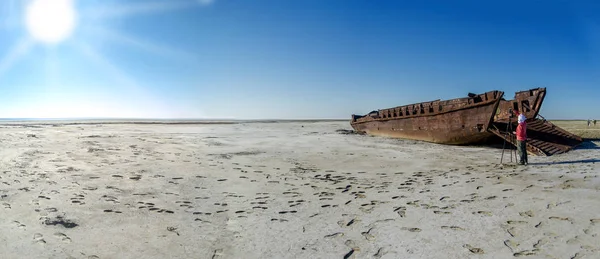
(136, 177)
(184, 204)
(35, 202)
(349, 254)
(115, 211)
(540, 243)
(367, 234)
(512, 245)
(560, 218)
(352, 222)
(217, 253)
(552, 205)
(381, 252)
(18, 224)
(513, 232)
(485, 213)
(173, 229)
(512, 222)
(411, 229)
(577, 256)
(62, 237)
(108, 198)
(528, 213)
(285, 212)
(338, 234)
(39, 238)
(474, 250)
(526, 253)
(351, 244)
(79, 199)
(453, 227)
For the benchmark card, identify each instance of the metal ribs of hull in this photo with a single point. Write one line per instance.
(544, 138)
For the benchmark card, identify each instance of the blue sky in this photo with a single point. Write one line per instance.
(296, 59)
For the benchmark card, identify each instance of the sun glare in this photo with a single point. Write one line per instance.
(51, 21)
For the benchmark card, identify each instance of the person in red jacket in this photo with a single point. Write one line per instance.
(521, 133)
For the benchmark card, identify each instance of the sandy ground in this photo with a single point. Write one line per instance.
(285, 190)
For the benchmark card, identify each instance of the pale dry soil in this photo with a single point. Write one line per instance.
(285, 190)
(580, 128)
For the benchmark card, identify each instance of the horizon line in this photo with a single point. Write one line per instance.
(166, 119)
(203, 119)
(196, 119)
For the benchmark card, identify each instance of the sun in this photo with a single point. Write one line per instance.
(51, 21)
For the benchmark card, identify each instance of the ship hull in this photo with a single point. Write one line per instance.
(457, 122)
(478, 119)
(458, 128)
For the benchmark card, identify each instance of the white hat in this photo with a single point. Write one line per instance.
(521, 118)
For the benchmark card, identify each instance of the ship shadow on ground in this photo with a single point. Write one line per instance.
(500, 144)
(582, 161)
(496, 143)
(587, 144)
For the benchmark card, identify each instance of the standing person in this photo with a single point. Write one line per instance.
(521, 133)
(589, 122)
(594, 123)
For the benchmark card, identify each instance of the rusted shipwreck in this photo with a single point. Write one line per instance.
(475, 119)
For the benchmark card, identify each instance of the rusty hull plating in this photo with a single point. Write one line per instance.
(528, 102)
(457, 121)
(470, 120)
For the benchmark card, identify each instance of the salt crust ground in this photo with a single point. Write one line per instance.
(284, 190)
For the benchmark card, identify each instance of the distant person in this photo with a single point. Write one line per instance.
(594, 123)
(589, 122)
(521, 133)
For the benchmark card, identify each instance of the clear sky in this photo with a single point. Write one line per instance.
(271, 59)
